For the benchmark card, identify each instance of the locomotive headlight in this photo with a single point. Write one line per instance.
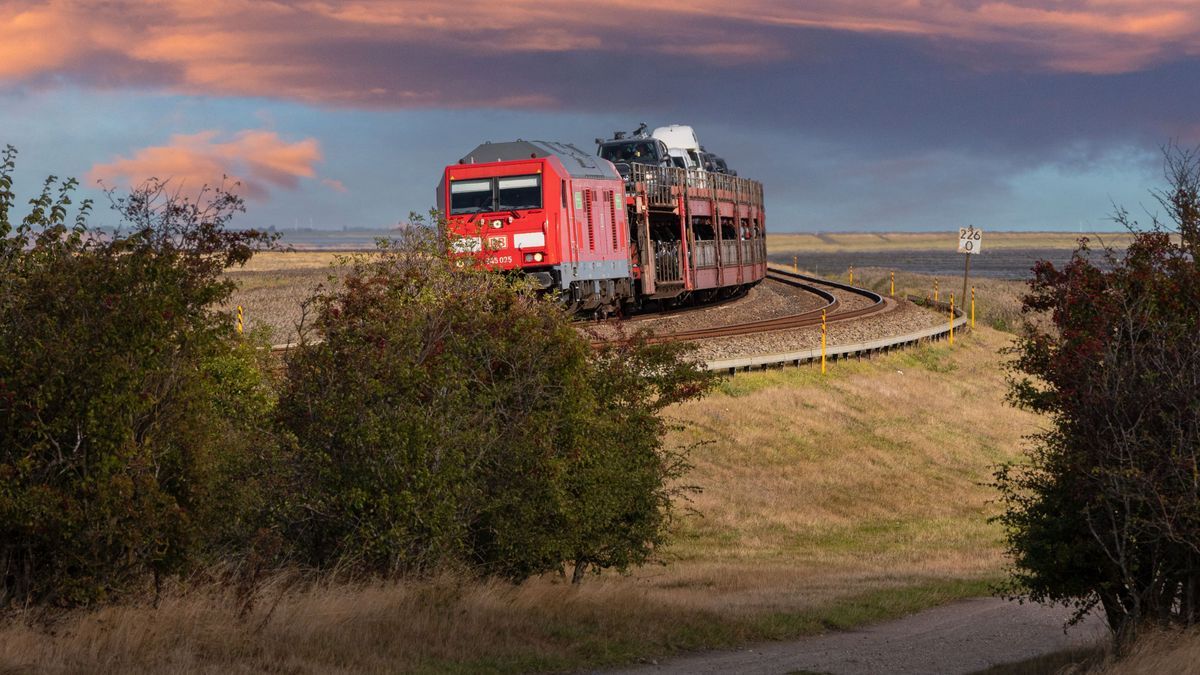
(498, 223)
(538, 257)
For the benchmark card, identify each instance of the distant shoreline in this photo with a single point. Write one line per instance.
(778, 243)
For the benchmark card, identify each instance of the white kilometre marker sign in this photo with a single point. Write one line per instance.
(970, 239)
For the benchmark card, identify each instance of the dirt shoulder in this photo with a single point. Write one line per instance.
(961, 637)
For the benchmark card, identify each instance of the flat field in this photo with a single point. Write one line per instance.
(827, 502)
(862, 242)
(273, 261)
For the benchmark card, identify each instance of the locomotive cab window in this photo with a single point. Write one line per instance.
(519, 192)
(471, 196)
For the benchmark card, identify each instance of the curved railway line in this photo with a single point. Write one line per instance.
(834, 313)
(831, 310)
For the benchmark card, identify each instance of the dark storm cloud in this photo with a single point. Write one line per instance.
(878, 107)
(1001, 77)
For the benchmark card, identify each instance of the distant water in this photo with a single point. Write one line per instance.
(997, 263)
(338, 240)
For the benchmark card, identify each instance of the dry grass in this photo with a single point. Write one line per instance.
(273, 299)
(272, 286)
(852, 242)
(875, 473)
(827, 502)
(442, 625)
(1161, 653)
(997, 301)
(1157, 652)
(271, 261)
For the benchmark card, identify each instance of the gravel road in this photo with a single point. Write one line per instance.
(961, 637)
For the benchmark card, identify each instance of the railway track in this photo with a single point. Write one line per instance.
(831, 309)
(883, 345)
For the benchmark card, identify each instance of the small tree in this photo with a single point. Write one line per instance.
(108, 445)
(448, 414)
(1107, 510)
(623, 486)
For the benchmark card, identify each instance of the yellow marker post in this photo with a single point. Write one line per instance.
(852, 274)
(795, 263)
(935, 289)
(893, 293)
(239, 320)
(951, 319)
(822, 342)
(972, 308)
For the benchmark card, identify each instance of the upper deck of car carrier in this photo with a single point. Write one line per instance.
(701, 229)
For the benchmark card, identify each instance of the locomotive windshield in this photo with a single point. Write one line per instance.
(519, 192)
(471, 196)
(487, 195)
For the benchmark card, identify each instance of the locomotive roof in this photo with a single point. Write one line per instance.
(577, 162)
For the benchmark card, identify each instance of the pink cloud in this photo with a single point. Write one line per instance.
(334, 184)
(259, 160)
(387, 53)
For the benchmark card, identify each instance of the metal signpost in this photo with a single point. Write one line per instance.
(970, 240)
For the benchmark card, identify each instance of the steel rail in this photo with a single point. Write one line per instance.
(804, 319)
(842, 351)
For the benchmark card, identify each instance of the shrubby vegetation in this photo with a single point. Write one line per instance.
(1107, 511)
(436, 415)
(112, 448)
(443, 413)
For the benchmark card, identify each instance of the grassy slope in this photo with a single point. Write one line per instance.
(871, 477)
(827, 502)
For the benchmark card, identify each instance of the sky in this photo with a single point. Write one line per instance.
(859, 115)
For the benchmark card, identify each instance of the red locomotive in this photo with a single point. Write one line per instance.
(603, 239)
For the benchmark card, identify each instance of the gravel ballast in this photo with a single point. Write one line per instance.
(770, 300)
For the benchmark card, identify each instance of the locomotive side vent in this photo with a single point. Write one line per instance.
(611, 197)
(587, 207)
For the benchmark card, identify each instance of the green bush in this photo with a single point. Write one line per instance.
(248, 467)
(435, 413)
(110, 433)
(1106, 511)
(442, 414)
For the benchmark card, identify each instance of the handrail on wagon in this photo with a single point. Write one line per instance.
(661, 185)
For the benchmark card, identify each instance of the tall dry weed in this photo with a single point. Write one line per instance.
(422, 625)
(1158, 652)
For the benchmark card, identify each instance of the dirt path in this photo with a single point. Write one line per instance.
(962, 637)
